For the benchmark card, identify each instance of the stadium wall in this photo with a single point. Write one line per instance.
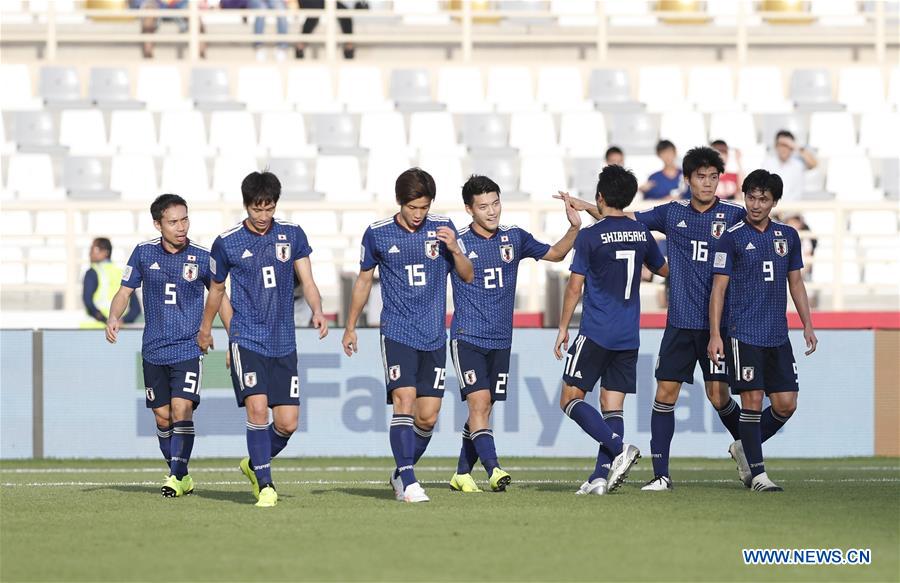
(68, 394)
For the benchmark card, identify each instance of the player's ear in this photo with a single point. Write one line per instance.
(157, 225)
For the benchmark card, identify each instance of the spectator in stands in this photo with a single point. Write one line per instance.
(667, 183)
(150, 24)
(310, 24)
(790, 162)
(808, 246)
(260, 24)
(101, 282)
(729, 182)
(615, 156)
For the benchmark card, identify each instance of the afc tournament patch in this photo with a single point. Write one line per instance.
(720, 259)
(781, 247)
(126, 275)
(718, 227)
(283, 252)
(394, 372)
(212, 264)
(250, 379)
(506, 253)
(747, 374)
(431, 249)
(189, 271)
(470, 377)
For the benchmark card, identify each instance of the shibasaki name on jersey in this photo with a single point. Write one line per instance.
(623, 237)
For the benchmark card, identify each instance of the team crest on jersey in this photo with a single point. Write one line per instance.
(747, 373)
(718, 227)
(781, 247)
(470, 377)
(189, 271)
(394, 372)
(506, 253)
(431, 249)
(250, 379)
(283, 252)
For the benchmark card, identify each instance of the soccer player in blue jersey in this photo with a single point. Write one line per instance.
(174, 272)
(754, 259)
(414, 252)
(481, 331)
(261, 254)
(607, 264)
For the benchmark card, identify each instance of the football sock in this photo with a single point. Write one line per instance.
(164, 435)
(483, 441)
(590, 420)
(278, 439)
(422, 438)
(403, 447)
(771, 422)
(662, 428)
(468, 455)
(616, 422)
(182, 444)
(731, 418)
(260, 449)
(752, 440)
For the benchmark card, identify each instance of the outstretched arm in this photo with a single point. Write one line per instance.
(562, 247)
(358, 298)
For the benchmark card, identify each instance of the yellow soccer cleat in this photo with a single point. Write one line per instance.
(187, 485)
(249, 473)
(463, 483)
(499, 480)
(268, 497)
(172, 488)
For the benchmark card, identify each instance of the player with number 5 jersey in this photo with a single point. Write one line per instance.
(414, 252)
(261, 255)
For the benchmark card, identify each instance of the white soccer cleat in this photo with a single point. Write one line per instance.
(415, 493)
(762, 483)
(620, 467)
(596, 487)
(659, 484)
(397, 484)
(736, 450)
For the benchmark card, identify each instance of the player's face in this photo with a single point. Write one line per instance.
(615, 159)
(703, 183)
(174, 225)
(759, 205)
(485, 210)
(259, 216)
(414, 212)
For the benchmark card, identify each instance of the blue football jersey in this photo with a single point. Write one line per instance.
(758, 263)
(483, 309)
(609, 254)
(690, 236)
(173, 298)
(413, 267)
(262, 284)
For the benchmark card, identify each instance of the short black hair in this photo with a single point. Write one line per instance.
(103, 244)
(164, 201)
(260, 188)
(701, 157)
(475, 185)
(721, 143)
(412, 184)
(762, 181)
(613, 150)
(784, 134)
(618, 186)
(664, 145)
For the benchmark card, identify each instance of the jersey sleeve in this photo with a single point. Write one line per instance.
(131, 275)
(368, 255)
(723, 256)
(218, 261)
(205, 273)
(795, 252)
(531, 247)
(580, 262)
(655, 218)
(654, 258)
(301, 244)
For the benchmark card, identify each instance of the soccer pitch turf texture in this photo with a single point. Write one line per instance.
(337, 520)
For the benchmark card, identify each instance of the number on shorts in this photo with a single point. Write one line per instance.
(295, 387)
(500, 387)
(190, 381)
(440, 374)
(717, 367)
(268, 274)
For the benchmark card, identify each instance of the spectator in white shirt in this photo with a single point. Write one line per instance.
(790, 162)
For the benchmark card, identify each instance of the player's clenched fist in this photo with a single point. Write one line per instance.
(349, 342)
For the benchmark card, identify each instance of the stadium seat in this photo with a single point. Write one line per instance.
(836, 12)
(520, 219)
(334, 131)
(30, 176)
(382, 130)
(133, 132)
(642, 165)
(446, 169)
(311, 89)
(432, 130)
(296, 177)
(627, 13)
(411, 88)
(583, 176)
(890, 177)
(510, 88)
(771, 123)
(832, 133)
(882, 273)
(17, 94)
(685, 129)
(232, 132)
(35, 131)
(12, 273)
(575, 13)
(811, 90)
(485, 130)
(187, 173)
(861, 89)
(42, 269)
(661, 88)
(850, 178)
(736, 128)
(524, 6)
(867, 223)
(211, 89)
(183, 131)
(532, 132)
(421, 12)
(355, 223)
(205, 225)
(561, 89)
(60, 87)
(461, 89)
(609, 89)
(541, 176)
(323, 223)
(879, 133)
(87, 177)
(361, 89)
(711, 88)
(502, 169)
(894, 88)
(229, 171)
(338, 177)
(134, 176)
(107, 223)
(761, 90)
(636, 133)
(110, 88)
(583, 133)
(16, 223)
(159, 86)
(261, 89)
(283, 134)
(824, 272)
(84, 132)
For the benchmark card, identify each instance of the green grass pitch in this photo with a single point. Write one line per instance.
(71, 520)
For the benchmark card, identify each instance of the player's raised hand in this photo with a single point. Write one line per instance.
(205, 340)
(349, 342)
(577, 203)
(562, 340)
(715, 349)
(112, 330)
(448, 237)
(811, 341)
(320, 323)
(571, 211)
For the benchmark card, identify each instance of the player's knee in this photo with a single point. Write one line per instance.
(285, 427)
(480, 410)
(257, 413)
(426, 421)
(666, 393)
(785, 408)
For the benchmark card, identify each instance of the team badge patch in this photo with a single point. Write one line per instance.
(150, 395)
(189, 271)
(470, 377)
(394, 372)
(431, 249)
(506, 253)
(283, 252)
(718, 227)
(781, 247)
(250, 379)
(747, 374)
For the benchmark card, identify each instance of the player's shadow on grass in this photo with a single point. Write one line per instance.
(554, 487)
(379, 493)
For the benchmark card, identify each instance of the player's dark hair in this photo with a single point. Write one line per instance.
(720, 143)
(477, 184)
(761, 181)
(701, 157)
(617, 185)
(664, 145)
(103, 244)
(164, 201)
(783, 134)
(260, 188)
(412, 184)
(613, 150)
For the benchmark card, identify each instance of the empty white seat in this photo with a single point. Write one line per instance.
(50, 223)
(561, 89)
(583, 133)
(134, 176)
(446, 169)
(421, 12)
(355, 223)
(229, 172)
(382, 130)
(83, 131)
(531, 132)
(824, 272)
(519, 218)
(832, 132)
(283, 133)
(879, 134)
(432, 130)
(579, 13)
(206, 225)
(820, 222)
(861, 89)
(15, 222)
(30, 176)
(711, 88)
(462, 90)
(261, 88)
(542, 176)
(761, 90)
(232, 132)
(183, 131)
(186, 174)
(685, 129)
(510, 88)
(339, 178)
(17, 92)
(133, 132)
(873, 223)
(311, 89)
(384, 166)
(12, 273)
(837, 12)
(736, 128)
(850, 178)
(159, 86)
(317, 222)
(661, 88)
(642, 165)
(628, 13)
(894, 87)
(361, 88)
(882, 273)
(105, 223)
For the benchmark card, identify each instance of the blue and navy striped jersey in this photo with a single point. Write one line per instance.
(262, 284)
(690, 236)
(483, 309)
(758, 263)
(173, 298)
(413, 267)
(609, 254)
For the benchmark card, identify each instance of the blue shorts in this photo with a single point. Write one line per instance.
(768, 368)
(680, 351)
(273, 376)
(480, 369)
(404, 366)
(163, 382)
(587, 362)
